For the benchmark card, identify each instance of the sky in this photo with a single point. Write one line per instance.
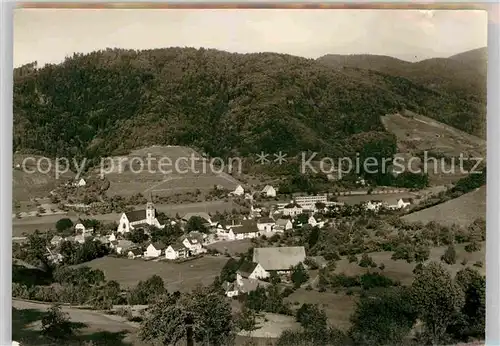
(49, 35)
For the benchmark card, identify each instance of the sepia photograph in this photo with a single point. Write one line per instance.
(231, 176)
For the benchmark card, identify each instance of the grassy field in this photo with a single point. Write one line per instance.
(390, 198)
(462, 210)
(232, 247)
(90, 326)
(189, 172)
(177, 276)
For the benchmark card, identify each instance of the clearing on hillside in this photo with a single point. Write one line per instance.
(171, 170)
(461, 211)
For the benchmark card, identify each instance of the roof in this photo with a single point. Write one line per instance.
(267, 188)
(158, 245)
(279, 258)
(247, 268)
(247, 226)
(136, 251)
(136, 215)
(406, 200)
(251, 285)
(124, 243)
(293, 205)
(282, 222)
(56, 238)
(178, 246)
(265, 220)
(200, 214)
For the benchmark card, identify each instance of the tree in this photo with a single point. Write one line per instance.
(436, 298)
(246, 319)
(366, 261)
(471, 321)
(196, 223)
(56, 324)
(137, 236)
(299, 275)
(202, 315)
(274, 278)
(64, 224)
(450, 255)
(383, 319)
(312, 318)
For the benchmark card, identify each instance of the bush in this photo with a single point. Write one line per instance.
(366, 261)
(473, 247)
(478, 264)
(450, 255)
(352, 258)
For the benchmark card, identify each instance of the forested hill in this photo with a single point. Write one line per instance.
(461, 76)
(108, 102)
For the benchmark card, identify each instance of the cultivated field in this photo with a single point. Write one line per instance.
(177, 276)
(462, 210)
(189, 172)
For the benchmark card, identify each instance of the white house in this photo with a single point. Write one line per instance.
(283, 225)
(137, 218)
(176, 251)
(403, 203)
(312, 221)
(193, 245)
(247, 230)
(134, 253)
(238, 191)
(265, 224)
(112, 237)
(251, 270)
(80, 228)
(154, 249)
(80, 182)
(225, 233)
(268, 191)
(292, 209)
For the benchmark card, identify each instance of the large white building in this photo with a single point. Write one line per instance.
(137, 218)
(309, 202)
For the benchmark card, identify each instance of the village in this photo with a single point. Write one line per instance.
(198, 232)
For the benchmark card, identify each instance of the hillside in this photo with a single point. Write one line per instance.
(462, 210)
(109, 102)
(462, 77)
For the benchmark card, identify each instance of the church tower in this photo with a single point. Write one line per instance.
(150, 212)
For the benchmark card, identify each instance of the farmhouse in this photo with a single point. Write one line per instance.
(265, 224)
(248, 229)
(404, 202)
(268, 191)
(292, 209)
(283, 225)
(134, 219)
(251, 270)
(279, 259)
(154, 249)
(242, 285)
(176, 251)
(134, 253)
(202, 215)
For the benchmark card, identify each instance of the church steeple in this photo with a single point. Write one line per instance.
(150, 210)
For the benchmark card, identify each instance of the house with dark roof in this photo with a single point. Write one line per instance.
(248, 229)
(292, 209)
(134, 253)
(252, 270)
(138, 218)
(265, 224)
(203, 215)
(176, 250)
(279, 259)
(155, 249)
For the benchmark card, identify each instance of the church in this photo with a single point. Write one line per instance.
(138, 218)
